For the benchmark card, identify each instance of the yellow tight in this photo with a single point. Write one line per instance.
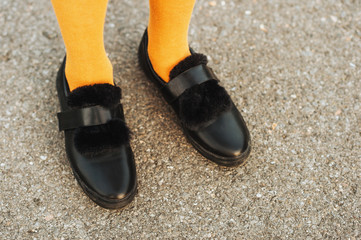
(82, 23)
(168, 34)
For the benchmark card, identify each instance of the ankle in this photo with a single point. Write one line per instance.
(88, 71)
(164, 58)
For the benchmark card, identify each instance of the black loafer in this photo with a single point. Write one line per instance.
(208, 116)
(97, 141)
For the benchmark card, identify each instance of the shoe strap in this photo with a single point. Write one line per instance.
(88, 116)
(193, 76)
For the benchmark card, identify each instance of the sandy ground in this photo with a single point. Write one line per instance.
(293, 69)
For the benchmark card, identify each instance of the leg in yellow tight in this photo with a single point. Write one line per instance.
(81, 23)
(168, 34)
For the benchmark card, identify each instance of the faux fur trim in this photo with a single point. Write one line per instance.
(94, 140)
(187, 63)
(202, 103)
(105, 95)
(97, 139)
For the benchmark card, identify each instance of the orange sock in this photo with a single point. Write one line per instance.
(81, 23)
(168, 34)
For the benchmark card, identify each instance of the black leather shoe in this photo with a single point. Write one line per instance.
(97, 141)
(208, 116)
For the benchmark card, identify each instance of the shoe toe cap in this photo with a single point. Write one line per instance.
(114, 183)
(111, 176)
(227, 137)
(231, 142)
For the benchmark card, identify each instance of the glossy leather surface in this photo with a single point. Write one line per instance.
(227, 136)
(226, 140)
(108, 177)
(111, 174)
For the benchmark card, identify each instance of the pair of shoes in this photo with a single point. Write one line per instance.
(97, 138)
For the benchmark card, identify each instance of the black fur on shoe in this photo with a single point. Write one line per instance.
(187, 63)
(105, 95)
(97, 139)
(200, 104)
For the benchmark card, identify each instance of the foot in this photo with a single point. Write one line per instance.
(97, 142)
(209, 118)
